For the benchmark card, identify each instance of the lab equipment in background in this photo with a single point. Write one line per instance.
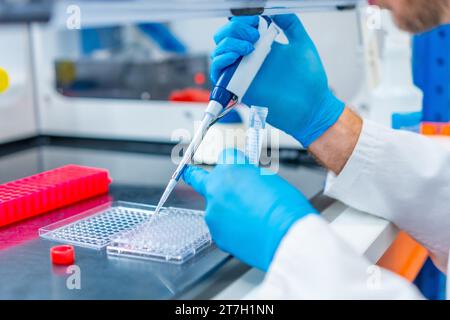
(228, 132)
(407, 121)
(129, 230)
(140, 40)
(70, 111)
(368, 58)
(256, 134)
(431, 282)
(25, 11)
(432, 74)
(138, 80)
(164, 37)
(175, 235)
(396, 92)
(125, 11)
(4, 80)
(106, 40)
(49, 190)
(143, 62)
(18, 105)
(228, 91)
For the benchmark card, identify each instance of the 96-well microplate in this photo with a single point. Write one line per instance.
(131, 230)
(95, 228)
(174, 235)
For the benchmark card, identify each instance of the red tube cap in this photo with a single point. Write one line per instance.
(64, 255)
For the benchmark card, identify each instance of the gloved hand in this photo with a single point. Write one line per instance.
(292, 82)
(248, 213)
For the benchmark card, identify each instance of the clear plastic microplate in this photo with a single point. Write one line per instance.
(126, 229)
(174, 235)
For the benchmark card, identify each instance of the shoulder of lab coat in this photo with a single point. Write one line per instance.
(314, 263)
(403, 177)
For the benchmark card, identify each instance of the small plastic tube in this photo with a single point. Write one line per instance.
(255, 134)
(62, 255)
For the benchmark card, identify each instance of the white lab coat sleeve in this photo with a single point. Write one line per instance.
(312, 262)
(403, 177)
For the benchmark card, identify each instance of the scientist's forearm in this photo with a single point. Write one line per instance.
(336, 145)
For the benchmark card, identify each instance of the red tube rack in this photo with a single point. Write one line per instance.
(49, 190)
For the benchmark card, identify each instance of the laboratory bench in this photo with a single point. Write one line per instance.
(139, 171)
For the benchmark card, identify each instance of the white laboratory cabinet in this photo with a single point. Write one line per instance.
(29, 52)
(163, 121)
(17, 110)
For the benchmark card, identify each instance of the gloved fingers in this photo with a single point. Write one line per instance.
(237, 29)
(241, 47)
(232, 156)
(221, 62)
(291, 26)
(250, 20)
(197, 178)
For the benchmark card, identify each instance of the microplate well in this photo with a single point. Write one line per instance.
(95, 227)
(174, 235)
(131, 230)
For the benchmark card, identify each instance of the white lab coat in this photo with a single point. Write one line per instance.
(400, 176)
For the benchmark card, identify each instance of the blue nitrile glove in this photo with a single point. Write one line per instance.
(292, 82)
(248, 212)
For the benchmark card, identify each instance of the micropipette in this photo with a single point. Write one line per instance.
(228, 91)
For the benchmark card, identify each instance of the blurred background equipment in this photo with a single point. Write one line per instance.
(13, 11)
(4, 80)
(130, 82)
(130, 75)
